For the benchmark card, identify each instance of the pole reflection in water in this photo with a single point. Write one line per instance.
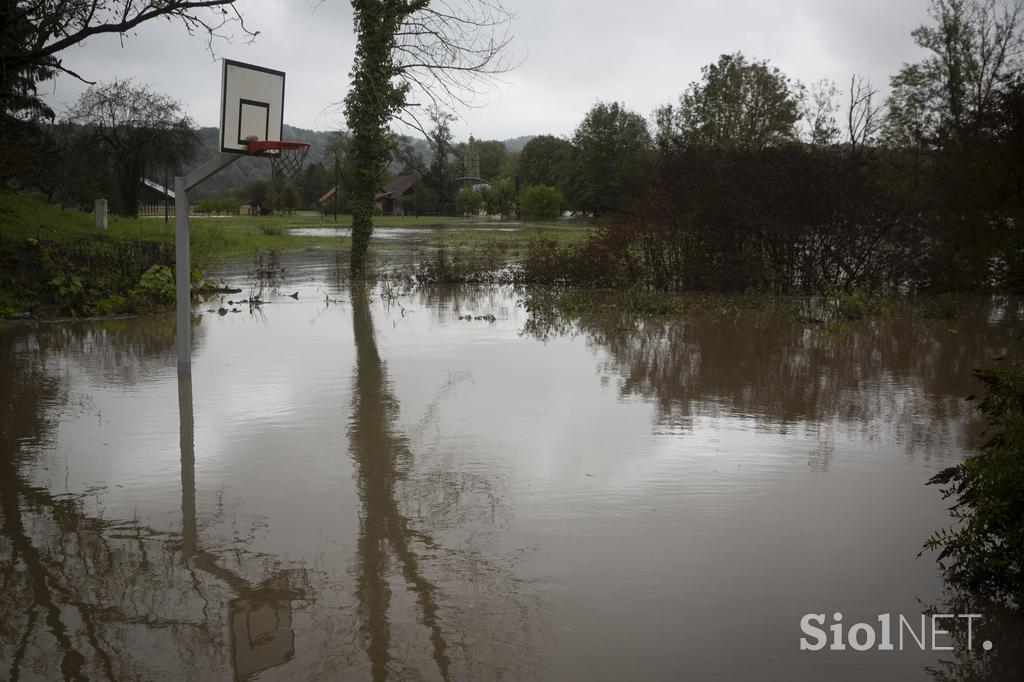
(260, 617)
(381, 456)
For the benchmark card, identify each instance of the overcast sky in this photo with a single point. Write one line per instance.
(573, 52)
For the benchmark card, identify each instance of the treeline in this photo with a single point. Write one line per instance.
(753, 181)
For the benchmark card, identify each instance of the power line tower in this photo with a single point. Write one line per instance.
(471, 163)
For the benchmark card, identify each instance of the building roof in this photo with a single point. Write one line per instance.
(158, 188)
(397, 187)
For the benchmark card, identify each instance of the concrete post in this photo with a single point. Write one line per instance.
(183, 277)
(101, 213)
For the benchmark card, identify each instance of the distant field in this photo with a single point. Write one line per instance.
(23, 217)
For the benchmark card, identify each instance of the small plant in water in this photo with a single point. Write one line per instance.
(267, 271)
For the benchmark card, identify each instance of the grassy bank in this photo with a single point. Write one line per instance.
(56, 262)
(24, 217)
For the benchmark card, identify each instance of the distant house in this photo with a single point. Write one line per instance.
(152, 198)
(254, 207)
(395, 197)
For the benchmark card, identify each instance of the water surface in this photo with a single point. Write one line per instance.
(363, 485)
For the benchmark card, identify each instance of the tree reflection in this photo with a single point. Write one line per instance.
(388, 537)
(380, 456)
(899, 376)
(998, 625)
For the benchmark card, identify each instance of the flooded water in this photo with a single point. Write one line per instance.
(410, 234)
(362, 486)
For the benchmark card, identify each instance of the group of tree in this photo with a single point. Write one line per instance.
(127, 128)
(753, 181)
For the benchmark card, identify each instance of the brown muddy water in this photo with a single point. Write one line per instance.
(358, 486)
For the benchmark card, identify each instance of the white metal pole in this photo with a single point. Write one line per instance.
(183, 277)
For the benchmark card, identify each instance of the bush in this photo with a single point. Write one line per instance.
(500, 199)
(156, 285)
(218, 206)
(468, 201)
(984, 552)
(601, 260)
(477, 266)
(208, 244)
(541, 202)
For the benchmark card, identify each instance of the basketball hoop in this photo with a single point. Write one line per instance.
(286, 158)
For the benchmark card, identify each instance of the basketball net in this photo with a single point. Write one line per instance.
(286, 158)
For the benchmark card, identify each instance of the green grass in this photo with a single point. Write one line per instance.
(24, 217)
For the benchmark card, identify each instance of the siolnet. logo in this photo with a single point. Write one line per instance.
(892, 633)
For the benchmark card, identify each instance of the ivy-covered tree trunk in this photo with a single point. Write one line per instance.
(374, 98)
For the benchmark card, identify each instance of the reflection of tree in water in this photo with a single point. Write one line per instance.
(476, 625)
(85, 597)
(899, 376)
(455, 300)
(998, 625)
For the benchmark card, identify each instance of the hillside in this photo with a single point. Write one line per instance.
(247, 169)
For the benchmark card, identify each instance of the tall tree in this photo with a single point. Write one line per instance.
(35, 33)
(439, 179)
(737, 104)
(141, 131)
(610, 146)
(443, 51)
(975, 47)
(545, 160)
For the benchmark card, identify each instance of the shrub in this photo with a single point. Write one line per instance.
(208, 244)
(468, 201)
(984, 552)
(217, 206)
(478, 266)
(541, 202)
(500, 199)
(156, 285)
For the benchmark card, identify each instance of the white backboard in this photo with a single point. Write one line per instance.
(251, 104)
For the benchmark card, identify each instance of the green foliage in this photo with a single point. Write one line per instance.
(291, 200)
(844, 304)
(439, 177)
(111, 305)
(212, 206)
(972, 48)
(477, 266)
(737, 104)
(156, 285)
(983, 552)
(541, 202)
(468, 201)
(491, 157)
(140, 129)
(374, 97)
(500, 199)
(208, 244)
(611, 147)
(546, 160)
(68, 287)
